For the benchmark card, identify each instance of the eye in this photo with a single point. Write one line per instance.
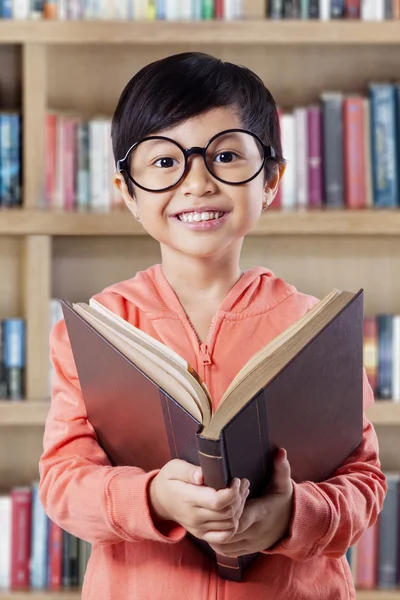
(226, 157)
(166, 162)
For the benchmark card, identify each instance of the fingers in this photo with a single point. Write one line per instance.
(184, 471)
(281, 483)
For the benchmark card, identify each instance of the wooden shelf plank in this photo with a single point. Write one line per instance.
(33, 412)
(378, 595)
(273, 223)
(29, 412)
(244, 32)
(384, 413)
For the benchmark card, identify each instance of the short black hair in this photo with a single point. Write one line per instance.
(171, 90)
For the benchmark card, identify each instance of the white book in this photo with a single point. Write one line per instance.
(39, 537)
(96, 161)
(229, 10)
(185, 10)
(121, 10)
(369, 10)
(380, 10)
(172, 10)
(140, 10)
(324, 10)
(396, 359)
(21, 9)
(301, 149)
(289, 151)
(5, 542)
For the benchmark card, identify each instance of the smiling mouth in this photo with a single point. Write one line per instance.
(198, 217)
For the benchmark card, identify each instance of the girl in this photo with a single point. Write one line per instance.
(198, 154)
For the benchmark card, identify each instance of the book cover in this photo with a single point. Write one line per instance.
(383, 144)
(385, 357)
(371, 351)
(39, 542)
(337, 9)
(288, 184)
(388, 528)
(14, 357)
(352, 9)
(55, 557)
(314, 147)
(21, 522)
(288, 412)
(5, 542)
(332, 105)
(354, 152)
(300, 118)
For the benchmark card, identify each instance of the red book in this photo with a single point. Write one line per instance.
(315, 173)
(367, 559)
(21, 521)
(50, 161)
(352, 9)
(354, 154)
(55, 556)
(371, 351)
(69, 157)
(219, 9)
(396, 9)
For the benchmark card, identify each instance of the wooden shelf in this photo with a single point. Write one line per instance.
(244, 32)
(310, 223)
(29, 412)
(378, 595)
(384, 413)
(34, 412)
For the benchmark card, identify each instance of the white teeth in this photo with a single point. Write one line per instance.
(197, 217)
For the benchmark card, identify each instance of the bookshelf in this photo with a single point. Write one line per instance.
(82, 66)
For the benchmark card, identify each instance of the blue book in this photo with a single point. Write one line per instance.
(384, 145)
(161, 10)
(337, 9)
(6, 11)
(39, 542)
(196, 10)
(10, 160)
(14, 357)
(385, 356)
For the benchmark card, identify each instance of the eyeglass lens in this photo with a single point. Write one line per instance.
(232, 157)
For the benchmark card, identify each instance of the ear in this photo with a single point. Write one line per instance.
(272, 185)
(130, 201)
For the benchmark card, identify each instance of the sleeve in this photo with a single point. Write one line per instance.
(331, 516)
(79, 489)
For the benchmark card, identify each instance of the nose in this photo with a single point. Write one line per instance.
(197, 180)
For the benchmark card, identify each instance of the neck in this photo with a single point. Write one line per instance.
(194, 277)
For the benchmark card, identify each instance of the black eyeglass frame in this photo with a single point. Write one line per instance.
(122, 165)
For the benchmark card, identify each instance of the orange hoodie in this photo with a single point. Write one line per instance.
(108, 506)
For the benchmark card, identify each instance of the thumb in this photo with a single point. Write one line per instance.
(281, 482)
(184, 471)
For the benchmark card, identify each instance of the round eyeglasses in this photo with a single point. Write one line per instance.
(157, 163)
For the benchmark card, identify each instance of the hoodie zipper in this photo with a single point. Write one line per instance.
(203, 347)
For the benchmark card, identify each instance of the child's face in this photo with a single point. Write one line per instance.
(200, 192)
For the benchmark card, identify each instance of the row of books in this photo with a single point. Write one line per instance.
(375, 559)
(138, 10)
(382, 355)
(366, 10)
(12, 359)
(10, 159)
(343, 152)
(35, 553)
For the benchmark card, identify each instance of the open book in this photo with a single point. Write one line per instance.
(302, 391)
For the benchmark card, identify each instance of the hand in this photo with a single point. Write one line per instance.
(177, 494)
(264, 520)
